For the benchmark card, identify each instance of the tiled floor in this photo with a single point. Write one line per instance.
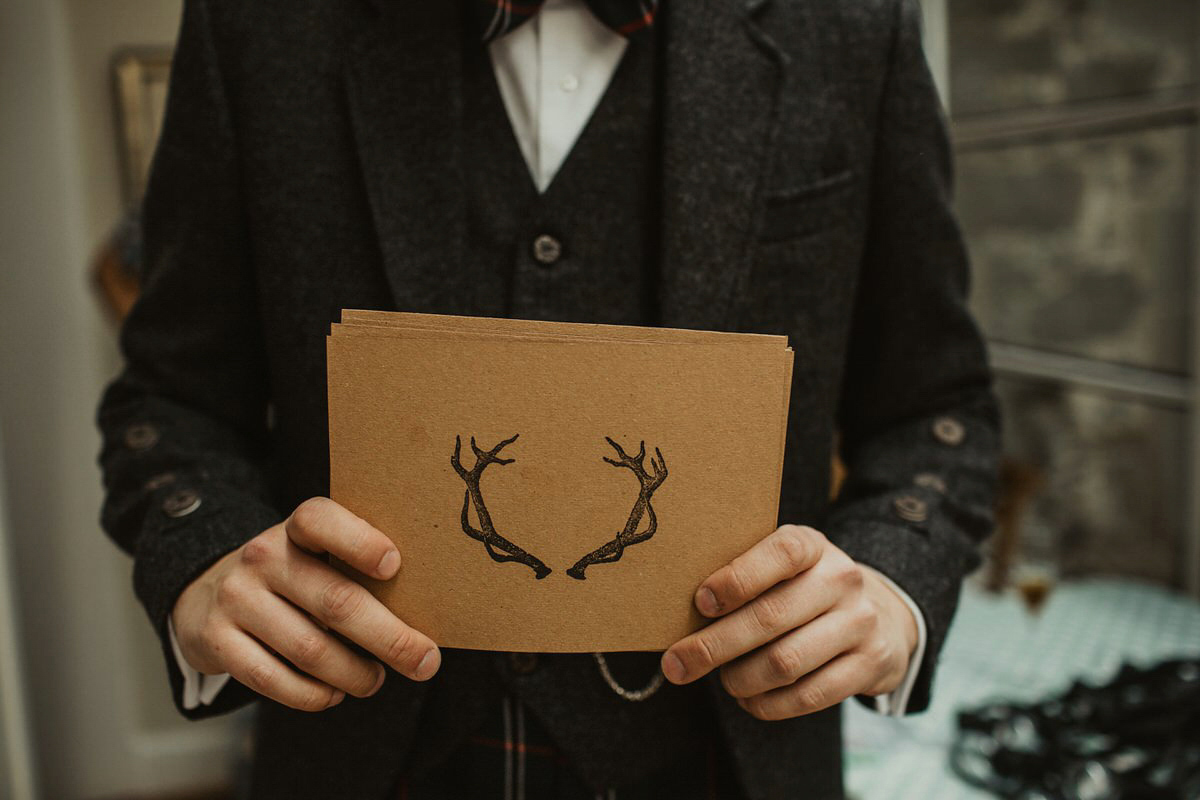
(997, 650)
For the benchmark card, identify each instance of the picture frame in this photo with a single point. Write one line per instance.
(140, 76)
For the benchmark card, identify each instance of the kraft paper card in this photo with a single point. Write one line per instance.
(554, 487)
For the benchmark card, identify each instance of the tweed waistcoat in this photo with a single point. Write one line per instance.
(601, 212)
(595, 227)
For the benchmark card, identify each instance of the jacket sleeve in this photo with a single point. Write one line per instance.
(184, 425)
(918, 419)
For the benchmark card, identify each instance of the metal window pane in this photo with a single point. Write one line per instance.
(1083, 246)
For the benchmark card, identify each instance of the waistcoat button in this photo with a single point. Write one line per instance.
(547, 249)
(523, 663)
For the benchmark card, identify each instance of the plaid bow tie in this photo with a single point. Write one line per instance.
(494, 18)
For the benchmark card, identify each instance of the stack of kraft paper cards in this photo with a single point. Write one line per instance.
(554, 487)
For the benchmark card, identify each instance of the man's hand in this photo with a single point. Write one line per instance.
(272, 602)
(799, 627)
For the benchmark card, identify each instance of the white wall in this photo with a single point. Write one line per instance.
(102, 722)
(16, 762)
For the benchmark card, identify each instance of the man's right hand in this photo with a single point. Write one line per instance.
(264, 613)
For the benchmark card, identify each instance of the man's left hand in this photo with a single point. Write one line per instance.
(798, 626)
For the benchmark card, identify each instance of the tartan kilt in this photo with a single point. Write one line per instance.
(513, 757)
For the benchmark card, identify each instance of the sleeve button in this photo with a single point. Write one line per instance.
(912, 509)
(949, 431)
(181, 503)
(141, 436)
(927, 480)
(159, 481)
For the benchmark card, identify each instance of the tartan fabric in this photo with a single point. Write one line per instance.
(494, 18)
(513, 757)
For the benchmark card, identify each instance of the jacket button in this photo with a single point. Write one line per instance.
(927, 480)
(912, 509)
(546, 249)
(141, 436)
(181, 503)
(948, 430)
(523, 663)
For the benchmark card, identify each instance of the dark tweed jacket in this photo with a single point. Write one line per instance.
(311, 161)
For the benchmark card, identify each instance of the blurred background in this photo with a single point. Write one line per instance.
(1075, 129)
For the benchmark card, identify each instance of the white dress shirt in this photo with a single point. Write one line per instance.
(552, 72)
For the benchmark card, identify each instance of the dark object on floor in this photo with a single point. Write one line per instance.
(1135, 738)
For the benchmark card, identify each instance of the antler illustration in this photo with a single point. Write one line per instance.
(612, 551)
(499, 548)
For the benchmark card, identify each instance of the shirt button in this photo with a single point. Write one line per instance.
(569, 83)
(141, 436)
(181, 503)
(948, 430)
(927, 480)
(547, 249)
(912, 509)
(523, 663)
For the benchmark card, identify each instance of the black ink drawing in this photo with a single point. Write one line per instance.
(499, 548)
(612, 551)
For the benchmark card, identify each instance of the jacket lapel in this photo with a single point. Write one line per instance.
(403, 77)
(724, 81)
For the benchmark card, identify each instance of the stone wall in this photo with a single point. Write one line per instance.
(1082, 245)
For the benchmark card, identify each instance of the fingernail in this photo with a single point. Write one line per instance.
(338, 697)
(388, 564)
(427, 666)
(378, 681)
(672, 667)
(706, 601)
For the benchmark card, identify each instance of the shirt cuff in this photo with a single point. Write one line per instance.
(198, 689)
(895, 702)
